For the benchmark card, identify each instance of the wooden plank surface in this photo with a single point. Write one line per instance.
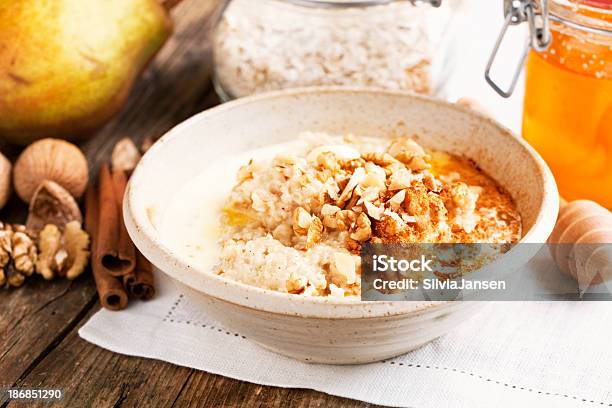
(39, 344)
(94, 377)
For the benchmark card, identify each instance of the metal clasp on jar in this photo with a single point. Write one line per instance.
(540, 38)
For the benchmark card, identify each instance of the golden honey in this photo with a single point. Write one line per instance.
(568, 106)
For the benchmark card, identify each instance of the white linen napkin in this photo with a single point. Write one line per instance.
(510, 354)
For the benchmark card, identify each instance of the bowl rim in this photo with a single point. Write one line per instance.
(252, 297)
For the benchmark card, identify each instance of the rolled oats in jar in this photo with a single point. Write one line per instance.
(267, 45)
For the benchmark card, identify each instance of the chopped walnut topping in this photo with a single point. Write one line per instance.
(462, 196)
(397, 200)
(374, 211)
(345, 219)
(315, 232)
(245, 173)
(329, 221)
(296, 284)
(370, 194)
(377, 172)
(374, 181)
(301, 221)
(343, 269)
(380, 159)
(363, 228)
(351, 164)
(416, 163)
(329, 210)
(400, 180)
(283, 233)
(431, 183)
(352, 203)
(352, 245)
(355, 179)
(405, 145)
(410, 153)
(462, 204)
(327, 160)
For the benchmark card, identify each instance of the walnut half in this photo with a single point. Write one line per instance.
(64, 254)
(24, 251)
(6, 249)
(18, 254)
(76, 243)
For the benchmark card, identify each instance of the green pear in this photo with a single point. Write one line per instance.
(67, 66)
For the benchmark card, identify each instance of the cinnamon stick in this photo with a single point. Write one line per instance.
(112, 294)
(140, 283)
(114, 250)
(126, 248)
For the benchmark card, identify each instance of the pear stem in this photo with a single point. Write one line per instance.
(170, 4)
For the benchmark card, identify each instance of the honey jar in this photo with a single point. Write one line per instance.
(568, 99)
(567, 114)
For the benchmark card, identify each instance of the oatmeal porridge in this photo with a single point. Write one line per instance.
(295, 222)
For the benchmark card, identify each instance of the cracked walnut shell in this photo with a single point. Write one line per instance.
(52, 204)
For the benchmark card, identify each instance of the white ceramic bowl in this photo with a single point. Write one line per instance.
(321, 329)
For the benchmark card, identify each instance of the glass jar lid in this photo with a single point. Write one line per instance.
(356, 3)
(593, 16)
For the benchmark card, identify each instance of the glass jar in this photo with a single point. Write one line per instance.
(568, 99)
(276, 44)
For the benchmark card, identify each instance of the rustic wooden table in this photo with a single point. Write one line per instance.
(39, 344)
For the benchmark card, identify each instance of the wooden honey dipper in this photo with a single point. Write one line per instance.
(582, 242)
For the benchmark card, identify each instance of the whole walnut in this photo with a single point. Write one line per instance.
(50, 160)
